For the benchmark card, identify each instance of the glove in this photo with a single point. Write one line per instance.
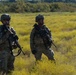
(14, 46)
(34, 51)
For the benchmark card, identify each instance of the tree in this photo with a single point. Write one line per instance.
(11, 0)
(20, 6)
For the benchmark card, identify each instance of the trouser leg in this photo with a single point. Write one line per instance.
(49, 53)
(4, 61)
(11, 62)
(38, 55)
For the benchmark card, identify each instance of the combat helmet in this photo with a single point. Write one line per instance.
(5, 17)
(39, 17)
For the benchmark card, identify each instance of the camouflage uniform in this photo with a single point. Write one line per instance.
(6, 58)
(39, 46)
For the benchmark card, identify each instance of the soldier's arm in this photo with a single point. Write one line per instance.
(49, 32)
(32, 43)
(14, 32)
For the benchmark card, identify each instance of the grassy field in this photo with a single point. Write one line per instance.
(63, 28)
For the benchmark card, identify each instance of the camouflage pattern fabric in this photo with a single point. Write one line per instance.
(6, 58)
(37, 43)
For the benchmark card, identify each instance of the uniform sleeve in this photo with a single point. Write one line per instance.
(32, 43)
(13, 30)
(49, 32)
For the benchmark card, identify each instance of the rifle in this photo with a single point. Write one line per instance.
(20, 48)
(54, 45)
(15, 39)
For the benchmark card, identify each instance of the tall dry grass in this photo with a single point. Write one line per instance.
(63, 28)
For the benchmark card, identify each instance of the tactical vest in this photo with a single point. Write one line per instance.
(44, 34)
(10, 40)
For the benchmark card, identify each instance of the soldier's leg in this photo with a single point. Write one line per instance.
(11, 62)
(49, 53)
(4, 61)
(38, 55)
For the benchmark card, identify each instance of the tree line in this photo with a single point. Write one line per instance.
(36, 1)
(21, 7)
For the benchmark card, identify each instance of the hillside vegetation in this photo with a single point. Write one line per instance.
(22, 7)
(63, 28)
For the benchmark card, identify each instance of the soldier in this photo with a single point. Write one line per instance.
(6, 44)
(41, 40)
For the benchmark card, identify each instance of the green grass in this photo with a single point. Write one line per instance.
(63, 28)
